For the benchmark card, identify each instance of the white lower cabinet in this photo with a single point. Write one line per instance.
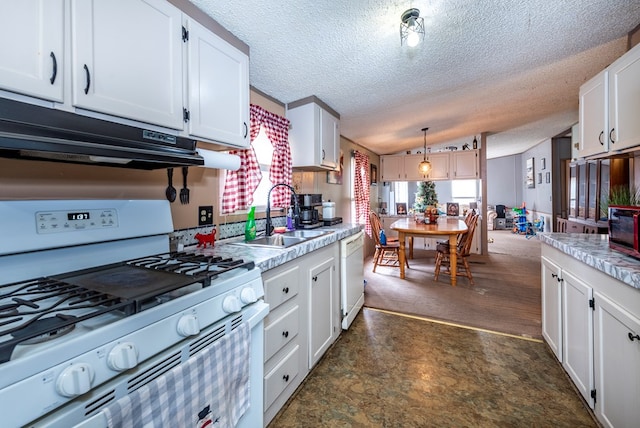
(324, 328)
(303, 321)
(285, 339)
(590, 321)
(617, 364)
(577, 333)
(551, 306)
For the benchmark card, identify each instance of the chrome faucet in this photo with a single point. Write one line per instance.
(296, 209)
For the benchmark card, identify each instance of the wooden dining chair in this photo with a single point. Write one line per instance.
(589, 229)
(463, 250)
(384, 255)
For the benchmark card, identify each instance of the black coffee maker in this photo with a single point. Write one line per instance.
(309, 216)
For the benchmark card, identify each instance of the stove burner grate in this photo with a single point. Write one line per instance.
(44, 329)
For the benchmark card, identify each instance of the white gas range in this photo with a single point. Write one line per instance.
(94, 306)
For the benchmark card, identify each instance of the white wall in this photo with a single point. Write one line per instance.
(504, 182)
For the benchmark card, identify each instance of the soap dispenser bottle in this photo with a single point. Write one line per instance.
(290, 219)
(250, 226)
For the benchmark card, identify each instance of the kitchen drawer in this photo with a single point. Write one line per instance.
(281, 287)
(281, 332)
(282, 375)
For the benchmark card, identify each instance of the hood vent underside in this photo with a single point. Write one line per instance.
(40, 133)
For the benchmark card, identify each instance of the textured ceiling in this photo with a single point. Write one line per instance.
(510, 68)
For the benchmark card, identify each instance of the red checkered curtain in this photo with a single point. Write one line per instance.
(237, 196)
(239, 185)
(361, 190)
(277, 130)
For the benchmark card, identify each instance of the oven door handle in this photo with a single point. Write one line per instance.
(258, 311)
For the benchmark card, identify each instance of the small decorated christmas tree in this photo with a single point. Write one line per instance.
(425, 196)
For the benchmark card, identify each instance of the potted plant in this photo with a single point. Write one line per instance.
(620, 196)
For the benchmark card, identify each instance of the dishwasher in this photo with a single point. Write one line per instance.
(351, 277)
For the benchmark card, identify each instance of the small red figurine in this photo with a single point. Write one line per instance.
(203, 240)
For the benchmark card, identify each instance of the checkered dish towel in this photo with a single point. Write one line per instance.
(217, 377)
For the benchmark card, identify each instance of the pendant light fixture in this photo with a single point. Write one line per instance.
(425, 165)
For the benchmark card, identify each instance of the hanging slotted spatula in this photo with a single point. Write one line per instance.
(184, 192)
(171, 191)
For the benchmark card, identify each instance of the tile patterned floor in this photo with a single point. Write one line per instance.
(390, 370)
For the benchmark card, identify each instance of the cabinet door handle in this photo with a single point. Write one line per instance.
(600, 138)
(285, 333)
(632, 337)
(54, 68)
(553, 275)
(285, 290)
(315, 278)
(246, 129)
(285, 378)
(611, 135)
(86, 72)
(322, 154)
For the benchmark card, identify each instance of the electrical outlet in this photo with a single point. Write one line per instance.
(205, 215)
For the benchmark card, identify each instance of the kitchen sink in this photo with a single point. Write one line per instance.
(285, 240)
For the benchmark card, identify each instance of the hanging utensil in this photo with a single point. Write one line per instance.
(184, 192)
(171, 191)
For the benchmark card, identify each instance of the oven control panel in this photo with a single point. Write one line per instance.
(69, 221)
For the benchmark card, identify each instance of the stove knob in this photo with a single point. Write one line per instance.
(231, 304)
(248, 295)
(123, 356)
(188, 325)
(75, 380)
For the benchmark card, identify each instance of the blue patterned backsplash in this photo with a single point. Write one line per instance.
(229, 230)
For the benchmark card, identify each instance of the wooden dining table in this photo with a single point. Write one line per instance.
(444, 226)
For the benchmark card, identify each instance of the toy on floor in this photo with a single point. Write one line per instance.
(203, 240)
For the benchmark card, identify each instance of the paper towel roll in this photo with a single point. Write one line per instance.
(219, 160)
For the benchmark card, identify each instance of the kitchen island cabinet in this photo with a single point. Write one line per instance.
(599, 321)
(33, 48)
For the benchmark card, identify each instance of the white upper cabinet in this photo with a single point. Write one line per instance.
(444, 166)
(464, 165)
(439, 166)
(33, 48)
(329, 139)
(594, 138)
(127, 59)
(624, 101)
(218, 88)
(392, 168)
(314, 135)
(609, 105)
(410, 170)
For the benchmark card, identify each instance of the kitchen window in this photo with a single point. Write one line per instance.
(264, 152)
(464, 191)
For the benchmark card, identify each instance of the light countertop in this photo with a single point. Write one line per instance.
(593, 250)
(269, 258)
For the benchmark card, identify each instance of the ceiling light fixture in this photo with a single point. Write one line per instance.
(425, 165)
(411, 27)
